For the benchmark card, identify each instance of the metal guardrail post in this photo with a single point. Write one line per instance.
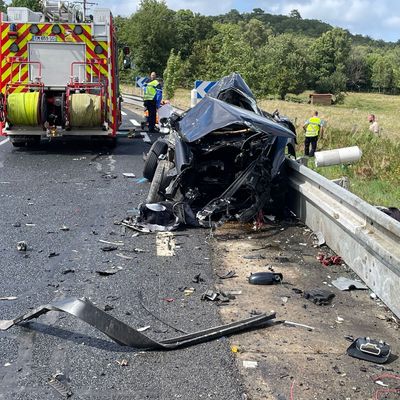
(367, 239)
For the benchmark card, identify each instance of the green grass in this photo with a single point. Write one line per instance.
(376, 177)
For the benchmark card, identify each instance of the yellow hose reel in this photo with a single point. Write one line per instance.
(85, 110)
(23, 108)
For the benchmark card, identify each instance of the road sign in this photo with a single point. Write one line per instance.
(141, 81)
(203, 87)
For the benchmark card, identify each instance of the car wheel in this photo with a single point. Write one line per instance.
(160, 182)
(159, 147)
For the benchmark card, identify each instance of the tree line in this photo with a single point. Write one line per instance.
(275, 54)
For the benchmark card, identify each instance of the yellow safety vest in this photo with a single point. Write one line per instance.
(150, 90)
(313, 127)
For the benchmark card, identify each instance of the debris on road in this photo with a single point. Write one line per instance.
(109, 248)
(250, 364)
(108, 272)
(126, 335)
(129, 175)
(265, 278)
(320, 297)
(343, 283)
(124, 256)
(318, 239)
(111, 243)
(9, 298)
(68, 271)
(367, 349)
(64, 228)
(223, 297)
(228, 275)
(123, 363)
(197, 279)
(165, 244)
(22, 246)
(53, 254)
(329, 260)
(59, 386)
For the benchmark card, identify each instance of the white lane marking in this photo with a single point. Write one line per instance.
(165, 244)
(145, 137)
(134, 122)
(124, 113)
(4, 141)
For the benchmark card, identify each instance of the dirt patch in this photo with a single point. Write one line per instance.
(313, 363)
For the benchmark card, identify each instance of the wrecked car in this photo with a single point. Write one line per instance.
(224, 157)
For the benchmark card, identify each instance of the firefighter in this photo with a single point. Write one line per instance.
(313, 129)
(150, 101)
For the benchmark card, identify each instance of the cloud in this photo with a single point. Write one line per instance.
(376, 18)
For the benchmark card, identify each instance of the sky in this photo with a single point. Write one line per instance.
(379, 19)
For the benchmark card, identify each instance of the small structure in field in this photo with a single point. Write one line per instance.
(324, 99)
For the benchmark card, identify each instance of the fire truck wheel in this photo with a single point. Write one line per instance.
(159, 147)
(160, 182)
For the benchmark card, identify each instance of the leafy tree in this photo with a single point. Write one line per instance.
(382, 74)
(286, 66)
(329, 54)
(172, 74)
(33, 5)
(295, 14)
(190, 28)
(255, 33)
(357, 70)
(3, 6)
(150, 33)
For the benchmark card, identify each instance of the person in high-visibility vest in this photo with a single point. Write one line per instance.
(150, 101)
(313, 128)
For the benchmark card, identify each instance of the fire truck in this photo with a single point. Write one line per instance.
(58, 74)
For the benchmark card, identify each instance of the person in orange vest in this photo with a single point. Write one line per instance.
(313, 128)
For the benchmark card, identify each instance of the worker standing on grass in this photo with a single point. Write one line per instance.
(313, 129)
(150, 101)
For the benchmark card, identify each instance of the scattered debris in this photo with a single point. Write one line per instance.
(68, 271)
(165, 244)
(254, 257)
(227, 275)
(111, 243)
(123, 363)
(290, 323)
(197, 279)
(143, 329)
(339, 320)
(250, 364)
(109, 248)
(64, 228)
(7, 364)
(373, 296)
(189, 291)
(22, 246)
(124, 256)
(265, 278)
(343, 283)
(223, 297)
(318, 239)
(168, 299)
(109, 176)
(235, 349)
(129, 175)
(319, 296)
(329, 260)
(59, 386)
(107, 272)
(107, 307)
(17, 224)
(364, 348)
(53, 254)
(284, 299)
(8, 298)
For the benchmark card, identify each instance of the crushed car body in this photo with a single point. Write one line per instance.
(224, 158)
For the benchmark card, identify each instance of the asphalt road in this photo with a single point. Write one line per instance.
(82, 187)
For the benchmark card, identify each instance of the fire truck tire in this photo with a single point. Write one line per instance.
(159, 147)
(160, 182)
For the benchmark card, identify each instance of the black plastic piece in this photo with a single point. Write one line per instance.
(372, 350)
(265, 278)
(321, 297)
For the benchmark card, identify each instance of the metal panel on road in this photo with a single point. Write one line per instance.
(367, 239)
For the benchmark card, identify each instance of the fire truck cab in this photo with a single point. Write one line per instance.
(58, 74)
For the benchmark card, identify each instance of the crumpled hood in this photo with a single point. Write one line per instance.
(211, 114)
(230, 82)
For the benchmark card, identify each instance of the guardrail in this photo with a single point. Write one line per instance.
(367, 239)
